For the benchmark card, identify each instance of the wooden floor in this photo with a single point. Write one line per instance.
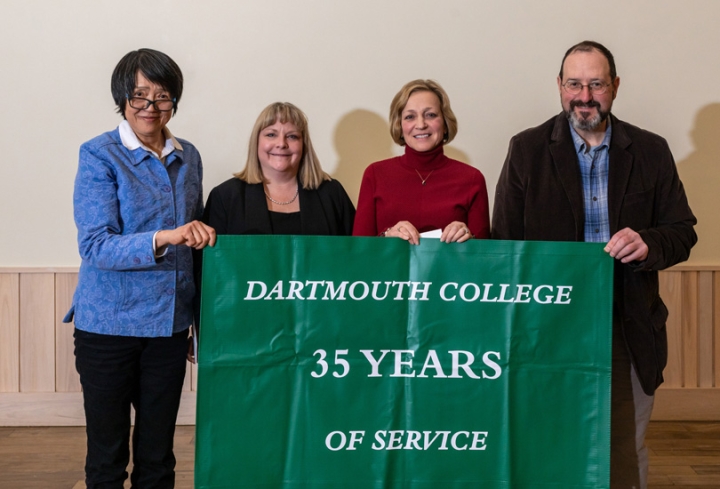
(53, 458)
(682, 455)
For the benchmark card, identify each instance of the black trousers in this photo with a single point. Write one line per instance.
(119, 371)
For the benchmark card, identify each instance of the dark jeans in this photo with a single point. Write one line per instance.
(115, 372)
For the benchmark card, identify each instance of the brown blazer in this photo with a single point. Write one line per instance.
(539, 196)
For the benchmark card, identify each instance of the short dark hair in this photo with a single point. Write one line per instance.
(157, 67)
(587, 46)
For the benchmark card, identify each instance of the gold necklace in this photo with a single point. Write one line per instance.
(423, 180)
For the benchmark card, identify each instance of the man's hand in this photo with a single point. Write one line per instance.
(627, 245)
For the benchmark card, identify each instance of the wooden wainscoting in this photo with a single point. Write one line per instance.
(692, 377)
(38, 382)
(40, 387)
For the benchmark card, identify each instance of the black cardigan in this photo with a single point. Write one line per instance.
(238, 207)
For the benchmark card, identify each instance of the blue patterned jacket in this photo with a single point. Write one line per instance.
(122, 197)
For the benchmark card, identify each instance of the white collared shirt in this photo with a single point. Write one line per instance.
(130, 141)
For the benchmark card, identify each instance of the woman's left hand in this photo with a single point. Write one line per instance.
(455, 232)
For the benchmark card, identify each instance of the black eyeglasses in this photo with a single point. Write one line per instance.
(162, 105)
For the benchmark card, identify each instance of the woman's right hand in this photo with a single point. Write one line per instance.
(195, 234)
(404, 230)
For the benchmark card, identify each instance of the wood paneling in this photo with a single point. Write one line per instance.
(716, 326)
(37, 332)
(689, 335)
(9, 332)
(671, 292)
(39, 385)
(66, 377)
(706, 334)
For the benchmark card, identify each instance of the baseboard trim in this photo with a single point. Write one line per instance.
(687, 404)
(64, 409)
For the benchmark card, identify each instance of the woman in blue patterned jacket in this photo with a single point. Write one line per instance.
(137, 204)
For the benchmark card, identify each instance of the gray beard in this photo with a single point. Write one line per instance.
(590, 124)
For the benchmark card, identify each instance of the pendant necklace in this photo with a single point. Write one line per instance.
(423, 180)
(297, 191)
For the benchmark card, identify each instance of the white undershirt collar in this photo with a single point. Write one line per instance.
(130, 141)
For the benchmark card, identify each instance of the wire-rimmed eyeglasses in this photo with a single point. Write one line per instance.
(574, 87)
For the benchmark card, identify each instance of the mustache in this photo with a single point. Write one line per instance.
(587, 105)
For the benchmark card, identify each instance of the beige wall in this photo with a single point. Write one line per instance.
(341, 62)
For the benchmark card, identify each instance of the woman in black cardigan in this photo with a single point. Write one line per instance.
(282, 189)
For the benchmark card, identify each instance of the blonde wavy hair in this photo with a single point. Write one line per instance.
(401, 99)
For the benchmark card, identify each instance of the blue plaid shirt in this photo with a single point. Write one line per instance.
(594, 164)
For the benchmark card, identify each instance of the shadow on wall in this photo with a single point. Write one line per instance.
(700, 174)
(361, 137)
(456, 154)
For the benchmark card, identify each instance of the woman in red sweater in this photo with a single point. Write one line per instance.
(422, 190)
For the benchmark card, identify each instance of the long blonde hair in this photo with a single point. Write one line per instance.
(311, 173)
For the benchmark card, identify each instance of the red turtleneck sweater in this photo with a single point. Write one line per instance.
(392, 191)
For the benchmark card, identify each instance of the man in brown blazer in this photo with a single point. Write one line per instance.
(585, 175)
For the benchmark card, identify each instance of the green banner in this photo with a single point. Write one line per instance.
(333, 362)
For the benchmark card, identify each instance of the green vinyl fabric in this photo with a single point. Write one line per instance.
(338, 362)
